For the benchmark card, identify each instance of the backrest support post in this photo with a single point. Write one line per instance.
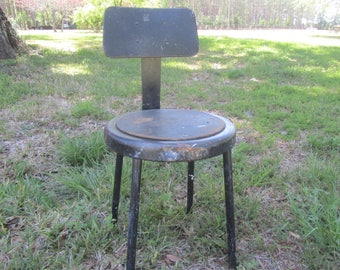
(151, 82)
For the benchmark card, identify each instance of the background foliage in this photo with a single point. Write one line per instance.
(234, 14)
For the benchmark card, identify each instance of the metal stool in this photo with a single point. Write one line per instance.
(162, 135)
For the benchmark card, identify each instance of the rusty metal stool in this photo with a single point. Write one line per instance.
(162, 135)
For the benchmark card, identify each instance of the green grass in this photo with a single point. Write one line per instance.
(56, 174)
(84, 150)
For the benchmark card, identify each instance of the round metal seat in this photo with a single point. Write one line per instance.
(170, 135)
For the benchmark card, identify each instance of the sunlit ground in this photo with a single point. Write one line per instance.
(312, 37)
(69, 39)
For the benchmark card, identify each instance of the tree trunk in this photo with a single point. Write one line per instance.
(10, 43)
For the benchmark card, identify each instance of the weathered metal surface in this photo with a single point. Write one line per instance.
(170, 124)
(151, 83)
(145, 32)
(194, 148)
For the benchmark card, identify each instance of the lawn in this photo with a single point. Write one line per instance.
(56, 174)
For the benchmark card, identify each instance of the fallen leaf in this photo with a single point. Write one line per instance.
(171, 259)
(294, 235)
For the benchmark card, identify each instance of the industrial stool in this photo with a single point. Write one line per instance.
(163, 135)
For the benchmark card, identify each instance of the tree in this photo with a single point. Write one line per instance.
(10, 43)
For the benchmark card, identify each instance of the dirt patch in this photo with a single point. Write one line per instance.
(292, 153)
(33, 137)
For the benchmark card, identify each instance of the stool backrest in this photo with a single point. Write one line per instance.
(147, 32)
(150, 34)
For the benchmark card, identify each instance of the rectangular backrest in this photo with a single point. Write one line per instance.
(149, 32)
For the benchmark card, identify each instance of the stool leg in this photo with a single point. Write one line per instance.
(190, 187)
(116, 187)
(229, 205)
(133, 216)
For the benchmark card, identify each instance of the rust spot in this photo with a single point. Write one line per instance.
(142, 120)
(187, 150)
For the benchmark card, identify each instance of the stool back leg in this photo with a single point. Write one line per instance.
(190, 185)
(133, 216)
(116, 187)
(229, 205)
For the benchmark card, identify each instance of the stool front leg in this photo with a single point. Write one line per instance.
(116, 187)
(229, 205)
(133, 216)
